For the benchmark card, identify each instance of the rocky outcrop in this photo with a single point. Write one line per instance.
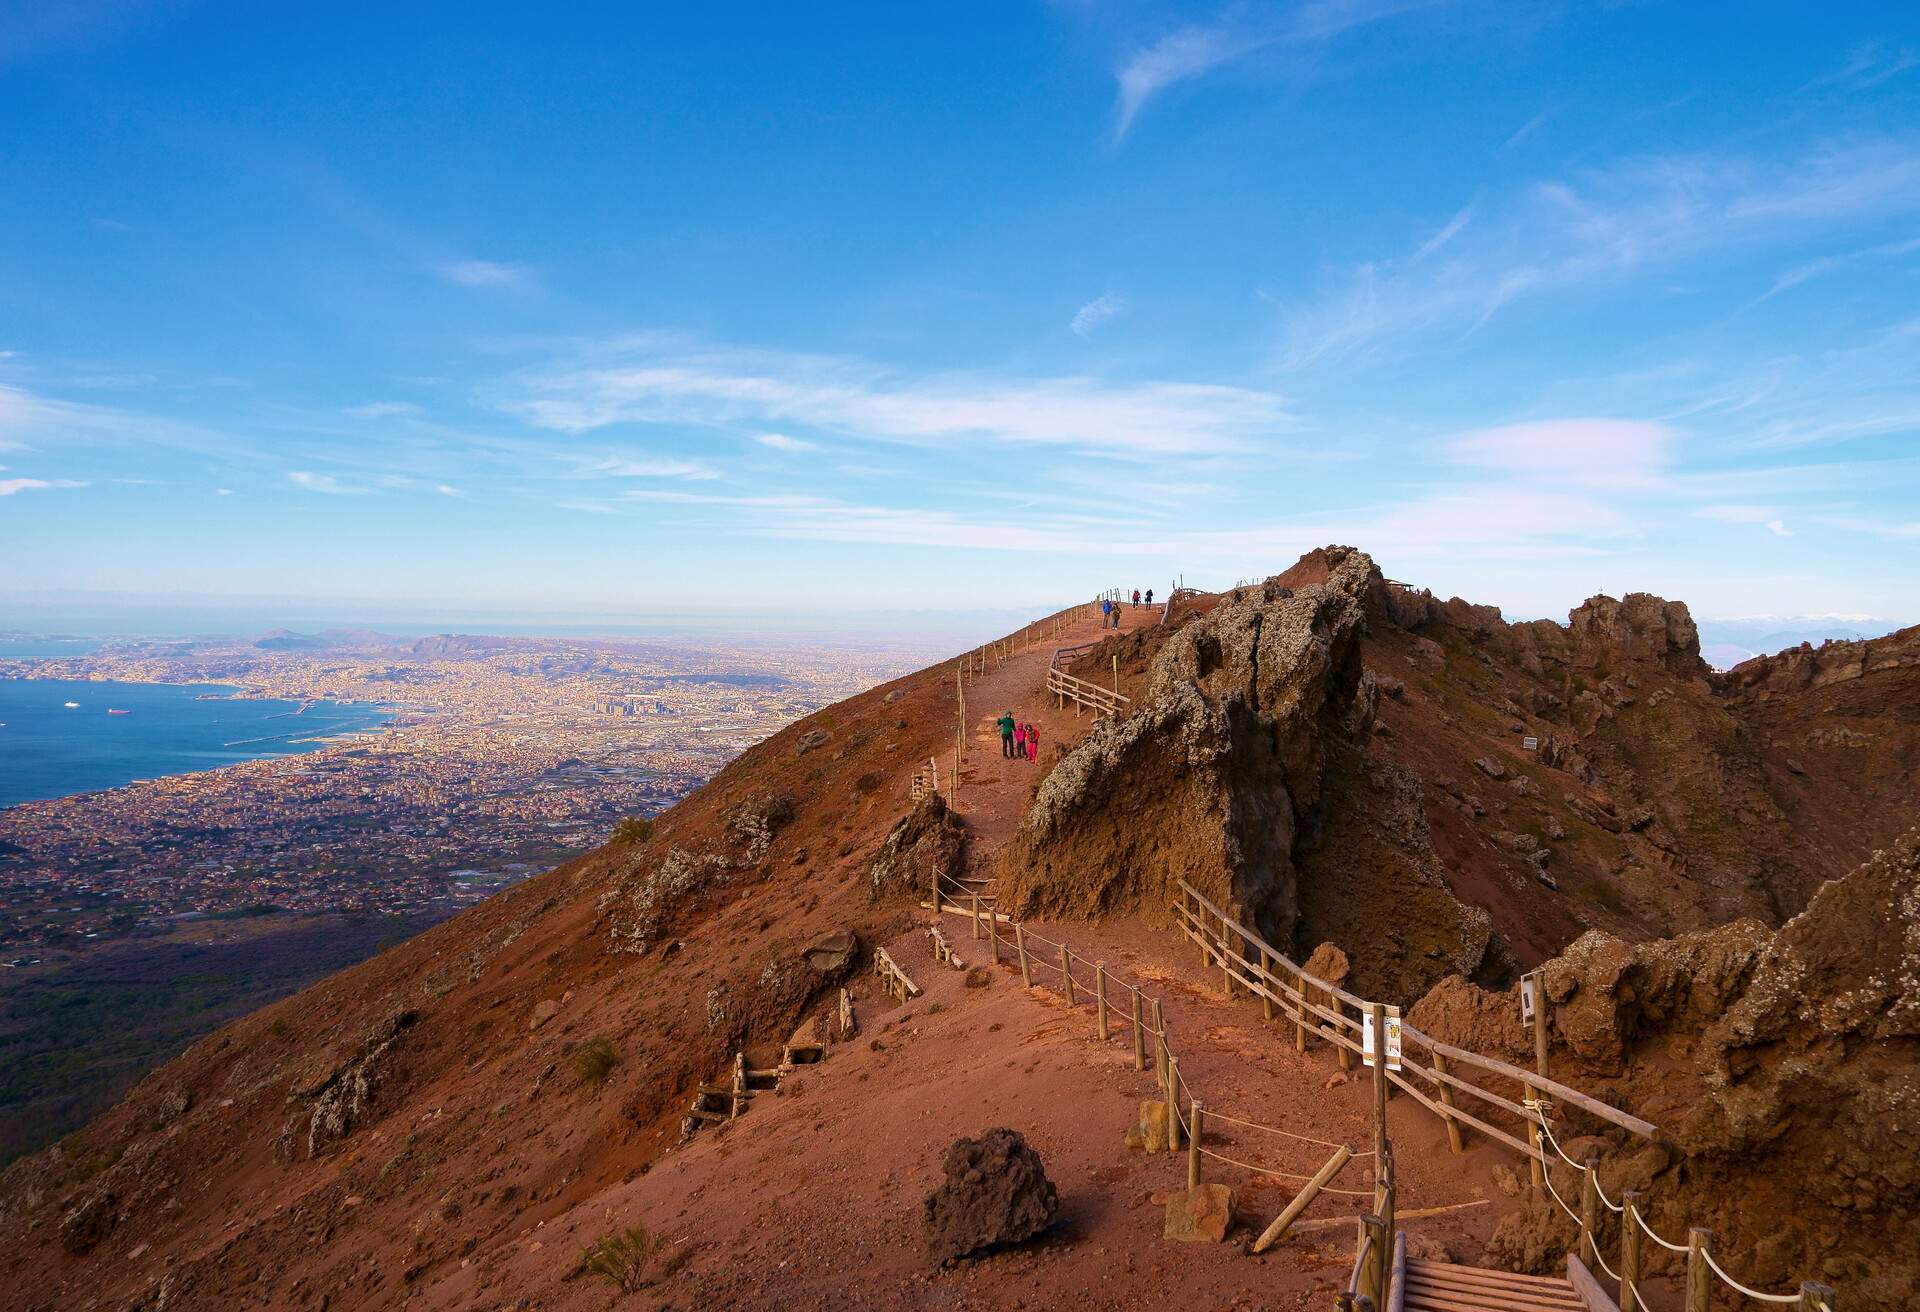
(996, 1192)
(1214, 776)
(1783, 1065)
(1798, 669)
(332, 1098)
(927, 839)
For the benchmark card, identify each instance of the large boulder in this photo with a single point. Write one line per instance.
(928, 838)
(832, 952)
(996, 1192)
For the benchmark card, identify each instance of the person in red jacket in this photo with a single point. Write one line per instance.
(1033, 743)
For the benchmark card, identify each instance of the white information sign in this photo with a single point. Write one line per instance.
(1530, 743)
(1369, 1045)
(1526, 1000)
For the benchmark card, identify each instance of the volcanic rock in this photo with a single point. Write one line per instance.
(928, 838)
(996, 1192)
(1202, 1214)
(832, 952)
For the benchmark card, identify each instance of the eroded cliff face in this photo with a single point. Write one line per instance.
(1247, 744)
(1783, 1067)
(1214, 774)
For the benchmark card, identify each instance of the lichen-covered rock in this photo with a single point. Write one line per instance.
(928, 838)
(1202, 1214)
(996, 1192)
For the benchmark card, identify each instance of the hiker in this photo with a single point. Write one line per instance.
(1116, 617)
(1020, 742)
(1033, 743)
(1149, 596)
(1106, 611)
(1136, 598)
(1006, 735)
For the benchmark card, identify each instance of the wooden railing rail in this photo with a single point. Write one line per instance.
(1225, 945)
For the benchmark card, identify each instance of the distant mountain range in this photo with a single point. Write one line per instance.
(1724, 643)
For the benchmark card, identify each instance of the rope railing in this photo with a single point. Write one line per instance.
(1212, 929)
(1186, 1118)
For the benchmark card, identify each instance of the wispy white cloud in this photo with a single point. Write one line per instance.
(658, 381)
(12, 486)
(781, 442)
(1173, 58)
(448, 490)
(1591, 453)
(1867, 66)
(223, 491)
(481, 273)
(1097, 311)
(1600, 227)
(1527, 129)
(385, 410)
(326, 483)
(642, 467)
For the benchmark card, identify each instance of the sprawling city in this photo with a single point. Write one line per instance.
(497, 757)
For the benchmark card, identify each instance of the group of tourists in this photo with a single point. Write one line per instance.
(1018, 741)
(1110, 609)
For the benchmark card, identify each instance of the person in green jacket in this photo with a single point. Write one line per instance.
(1006, 735)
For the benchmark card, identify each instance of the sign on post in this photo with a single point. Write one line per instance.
(1530, 743)
(1526, 999)
(1369, 1045)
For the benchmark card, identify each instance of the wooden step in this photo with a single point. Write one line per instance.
(724, 1091)
(1438, 1287)
(806, 1054)
(702, 1114)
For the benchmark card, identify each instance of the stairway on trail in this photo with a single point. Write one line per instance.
(1447, 1287)
(721, 1103)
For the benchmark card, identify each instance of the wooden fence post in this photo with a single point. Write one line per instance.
(1630, 1252)
(1812, 1296)
(1273, 1233)
(976, 913)
(1535, 1135)
(1226, 971)
(934, 879)
(1266, 987)
(1589, 1209)
(1300, 1011)
(1020, 946)
(1066, 973)
(1379, 1022)
(1100, 998)
(1699, 1274)
(1446, 1100)
(1193, 1145)
(1377, 1258)
(1159, 1043)
(993, 934)
(1173, 1104)
(1139, 1032)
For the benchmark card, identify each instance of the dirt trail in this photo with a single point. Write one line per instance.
(994, 791)
(812, 1198)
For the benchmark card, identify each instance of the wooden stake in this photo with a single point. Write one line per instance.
(1173, 1106)
(1066, 974)
(1139, 1032)
(1699, 1274)
(1534, 1136)
(1020, 947)
(1446, 1100)
(976, 913)
(993, 933)
(1273, 1233)
(1159, 1043)
(1300, 1011)
(1813, 1295)
(1589, 1206)
(1100, 998)
(1193, 1146)
(1266, 987)
(933, 878)
(1379, 1083)
(1630, 1253)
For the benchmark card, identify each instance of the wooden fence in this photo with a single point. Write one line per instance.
(1121, 1009)
(1525, 1099)
(926, 781)
(1081, 692)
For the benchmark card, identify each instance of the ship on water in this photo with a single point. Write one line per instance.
(112, 711)
(73, 706)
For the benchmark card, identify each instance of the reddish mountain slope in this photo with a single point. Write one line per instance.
(1340, 754)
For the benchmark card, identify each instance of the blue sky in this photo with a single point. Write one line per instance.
(616, 311)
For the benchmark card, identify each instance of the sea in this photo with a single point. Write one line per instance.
(48, 749)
